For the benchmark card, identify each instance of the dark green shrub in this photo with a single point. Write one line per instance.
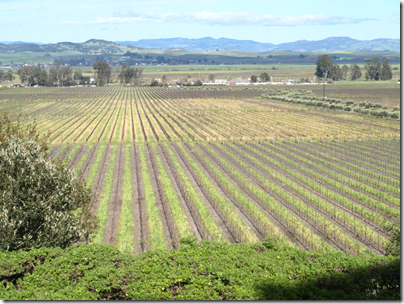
(333, 107)
(339, 107)
(396, 109)
(326, 105)
(337, 101)
(43, 203)
(383, 113)
(385, 107)
(319, 104)
(349, 102)
(357, 110)
(374, 113)
(347, 109)
(362, 104)
(395, 115)
(377, 106)
(369, 105)
(365, 112)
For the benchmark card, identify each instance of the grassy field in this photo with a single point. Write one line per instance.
(236, 167)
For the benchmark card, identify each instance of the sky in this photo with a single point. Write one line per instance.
(270, 21)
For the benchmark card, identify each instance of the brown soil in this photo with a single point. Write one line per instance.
(136, 205)
(164, 220)
(180, 198)
(100, 179)
(212, 211)
(115, 205)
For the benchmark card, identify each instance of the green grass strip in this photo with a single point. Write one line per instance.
(180, 219)
(105, 198)
(156, 232)
(126, 228)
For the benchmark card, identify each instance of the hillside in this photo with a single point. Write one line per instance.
(325, 45)
(88, 47)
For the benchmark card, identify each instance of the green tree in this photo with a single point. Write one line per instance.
(211, 77)
(77, 75)
(355, 72)
(43, 203)
(103, 72)
(324, 66)
(336, 72)
(386, 73)
(9, 76)
(344, 70)
(373, 69)
(265, 77)
(301, 56)
(253, 78)
(164, 79)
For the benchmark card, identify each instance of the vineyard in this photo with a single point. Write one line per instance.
(222, 165)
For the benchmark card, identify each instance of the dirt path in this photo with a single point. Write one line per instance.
(100, 179)
(212, 211)
(184, 205)
(141, 204)
(153, 176)
(89, 162)
(136, 204)
(115, 205)
(76, 158)
(242, 216)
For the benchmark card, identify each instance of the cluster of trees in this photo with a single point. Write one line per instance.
(60, 75)
(375, 70)
(264, 77)
(6, 76)
(129, 75)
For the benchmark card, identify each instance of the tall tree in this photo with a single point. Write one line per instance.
(253, 78)
(373, 69)
(355, 72)
(386, 70)
(77, 75)
(324, 66)
(345, 70)
(211, 77)
(336, 72)
(103, 72)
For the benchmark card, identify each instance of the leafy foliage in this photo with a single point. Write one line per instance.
(42, 203)
(204, 271)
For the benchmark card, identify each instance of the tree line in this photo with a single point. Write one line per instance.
(62, 75)
(375, 69)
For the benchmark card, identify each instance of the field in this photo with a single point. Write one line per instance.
(225, 165)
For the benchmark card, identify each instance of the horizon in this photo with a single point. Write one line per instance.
(127, 40)
(261, 21)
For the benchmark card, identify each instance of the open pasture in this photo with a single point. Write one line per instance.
(222, 164)
(322, 196)
(145, 114)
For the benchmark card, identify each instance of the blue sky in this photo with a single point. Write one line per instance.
(273, 21)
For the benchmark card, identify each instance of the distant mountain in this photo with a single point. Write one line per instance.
(94, 46)
(326, 45)
(89, 47)
(201, 44)
(21, 42)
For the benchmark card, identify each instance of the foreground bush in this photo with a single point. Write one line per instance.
(208, 271)
(42, 203)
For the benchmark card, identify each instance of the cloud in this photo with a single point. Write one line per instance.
(225, 18)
